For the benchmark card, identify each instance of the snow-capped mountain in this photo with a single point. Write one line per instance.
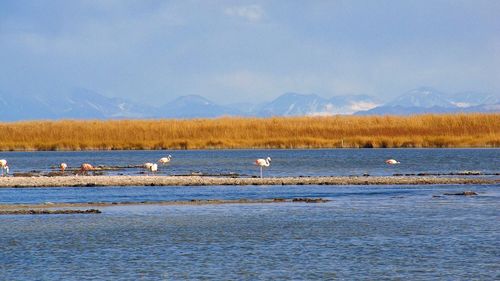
(293, 104)
(82, 104)
(472, 99)
(77, 104)
(427, 100)
(487, 108)
(85, 104)
(194, 106)
(422, 97)
(19, 107)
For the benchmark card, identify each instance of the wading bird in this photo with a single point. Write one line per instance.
(392, 162)
(63, 167)
(4, 167)
(263, 163)
(85, 167)
(165, 160)
(151, 167)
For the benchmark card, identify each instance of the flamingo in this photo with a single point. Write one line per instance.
(392, 162)
(63, 167)
(4, 167)
(85, 167)
(154, 168)
(165, 160)
(263, 163)
(151, 167)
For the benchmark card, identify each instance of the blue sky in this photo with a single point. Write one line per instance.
(248, 51)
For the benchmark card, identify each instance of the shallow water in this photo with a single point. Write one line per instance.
(181, 193)
(364, 233)
(321, 162)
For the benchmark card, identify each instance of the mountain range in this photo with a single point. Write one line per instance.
(86, 104)
(428, 100)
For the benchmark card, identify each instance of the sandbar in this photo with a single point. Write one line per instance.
(122, 180)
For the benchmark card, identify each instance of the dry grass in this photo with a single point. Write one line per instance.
(451, 130)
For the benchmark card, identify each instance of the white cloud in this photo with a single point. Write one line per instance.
(362, 105)
(331, 109)
(253, 13)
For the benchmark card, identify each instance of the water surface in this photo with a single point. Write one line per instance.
(320, 162)
(364, 233)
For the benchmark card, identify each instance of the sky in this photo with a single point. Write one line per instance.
(248, 51)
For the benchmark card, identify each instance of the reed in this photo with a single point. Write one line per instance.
(448, 130)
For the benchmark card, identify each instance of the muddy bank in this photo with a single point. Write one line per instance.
(47, 212)
(90, 181)
(52, 208)
(463, 193)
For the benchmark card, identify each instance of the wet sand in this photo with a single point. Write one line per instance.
(90, 181)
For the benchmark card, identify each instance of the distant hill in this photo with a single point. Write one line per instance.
(427, 100)
(423, 97)
(78, 104)
(472, 99)
(194, 106)
(293, 104)
(85, 104)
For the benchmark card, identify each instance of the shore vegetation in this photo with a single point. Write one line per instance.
(419, 131)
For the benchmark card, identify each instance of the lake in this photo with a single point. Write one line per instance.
(364, 233)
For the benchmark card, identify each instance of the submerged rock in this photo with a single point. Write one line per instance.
(464, 193)
(310, 200)
(26, 174)
(54, 174)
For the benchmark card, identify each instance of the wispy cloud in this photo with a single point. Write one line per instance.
(252, 13)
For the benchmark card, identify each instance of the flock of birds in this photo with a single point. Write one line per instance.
(153, 167)
(86, 167)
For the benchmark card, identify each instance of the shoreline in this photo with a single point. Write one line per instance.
(96, 181)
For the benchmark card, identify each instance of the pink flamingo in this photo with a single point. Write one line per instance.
(4, 167)
(392, 162)
(63, 167)
(151, 167)
(165, 160)
(263, 163)
(85, 167)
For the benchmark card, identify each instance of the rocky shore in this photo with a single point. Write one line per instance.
(90, 181)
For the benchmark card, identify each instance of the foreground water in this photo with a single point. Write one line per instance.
(322, 162)
(364, 233)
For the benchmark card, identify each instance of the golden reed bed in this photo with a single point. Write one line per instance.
(448, 130)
